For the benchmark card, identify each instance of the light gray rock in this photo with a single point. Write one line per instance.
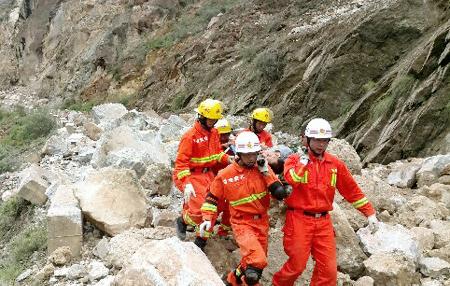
(389, 239)
(364, 281)
(57, 144)
(434, 267)
(97, 270)
(391, 269)
(107, 115)
(125, 148)
(157, 179)
(349, 253)
(107, 281)
(92, 131)
(419, 211)
(61, 256)
(344, 151)
(432, 169)
(24, 275)
(172, 129)
(169, 262)
(61, 272)
(424, 237)
(77, 271)
(33, 184)
(162, 202)
(438, 192)
(118, 250)
(430, 282)
(404, 177)
(113, 200)
(441, 230)
(164, 217)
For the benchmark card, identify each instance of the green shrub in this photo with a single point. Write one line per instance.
(9, 212)
(31, 127)
(382, 107)
(270, 64)
(82, 106)
(368, 86)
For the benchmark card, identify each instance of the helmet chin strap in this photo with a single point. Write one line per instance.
(308, 139)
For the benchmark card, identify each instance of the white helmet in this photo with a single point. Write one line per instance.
(247, 142)
(318, 128)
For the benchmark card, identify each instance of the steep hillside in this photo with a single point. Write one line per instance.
(378, 69)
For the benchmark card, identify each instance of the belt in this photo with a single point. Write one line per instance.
(251, 216)
(313, 214)
(200, 170)
(316, 215)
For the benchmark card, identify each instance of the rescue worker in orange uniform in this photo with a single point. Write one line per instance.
(259, 119)
(246, 186)
(308, 229)
(198, 152)
(224, 129)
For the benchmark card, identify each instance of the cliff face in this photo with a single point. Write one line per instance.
(379, 70)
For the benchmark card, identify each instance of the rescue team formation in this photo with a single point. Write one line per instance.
(235, 178)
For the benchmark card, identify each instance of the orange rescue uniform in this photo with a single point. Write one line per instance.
(308, 228)
(246, 191)
(199, 151)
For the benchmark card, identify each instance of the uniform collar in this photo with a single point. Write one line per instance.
(326, 157)
(240, 168)
(198, 127)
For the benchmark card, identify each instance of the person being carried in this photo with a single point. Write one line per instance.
(247, 187)
(198, 152)
(308, 229)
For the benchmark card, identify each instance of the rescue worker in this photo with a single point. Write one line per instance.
(199, 150)
(223, 126)
(259, 119)
(246, 186)
(308, 229)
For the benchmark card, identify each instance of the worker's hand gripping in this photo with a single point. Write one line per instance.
(263, 165)
(304, 157)
(373, 223)
(204, 226)
(188, 192)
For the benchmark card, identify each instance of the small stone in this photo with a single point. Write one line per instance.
(24, 275)
(61, 256)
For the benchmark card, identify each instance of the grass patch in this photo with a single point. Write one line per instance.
(21, 132)
(82, 106)
(20, 250)
(9, 212)
(368, 86)
(400, 88)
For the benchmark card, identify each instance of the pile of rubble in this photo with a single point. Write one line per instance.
(105, 182)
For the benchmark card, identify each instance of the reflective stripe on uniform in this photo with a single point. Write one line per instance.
(333, 177)
(249, 199)
(208, 159)
(209, 207)
(297, 178)
(188, 220)
(183, 174)
(360, 203)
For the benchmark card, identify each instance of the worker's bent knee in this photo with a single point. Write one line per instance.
(252, 275)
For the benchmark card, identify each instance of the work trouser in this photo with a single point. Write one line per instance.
(225, 226)
(191, 212)
(305, 235)
(251, 234)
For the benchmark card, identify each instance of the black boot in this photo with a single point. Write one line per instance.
(200, 242)
(181, 228)
(252, 275)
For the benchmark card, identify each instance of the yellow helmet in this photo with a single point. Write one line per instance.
(262, 114)
(223, 126)
(210, 108)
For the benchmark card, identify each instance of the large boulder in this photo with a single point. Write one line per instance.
(126, 148)
(107, 115)
(157, 179)
(437, 192)
(349, 254)
(33, 184)
(168, 262)
(431, 169)
(391, 269)
(113, 200)
(389, 239)
(119, 249)
(434, 267)
(344, 151)
(419, 211)
(441, 230)
(424, 237)
(403, 177)
(173, 128)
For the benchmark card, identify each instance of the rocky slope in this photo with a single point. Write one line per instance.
(378, 69)
(103, 186)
